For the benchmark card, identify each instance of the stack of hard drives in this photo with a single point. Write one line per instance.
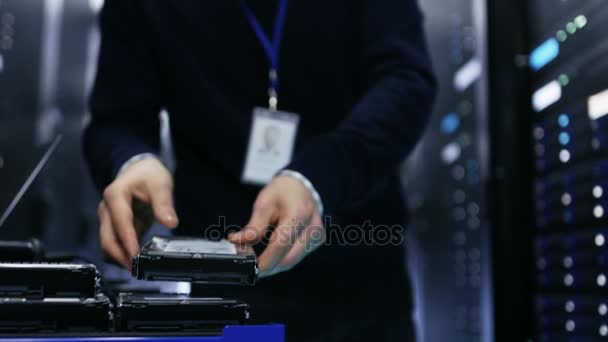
(187, 260)
(38, 297)
(42, 297)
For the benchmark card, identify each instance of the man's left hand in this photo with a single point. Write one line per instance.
(286, 204)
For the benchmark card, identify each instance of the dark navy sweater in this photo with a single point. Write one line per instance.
(357, 72)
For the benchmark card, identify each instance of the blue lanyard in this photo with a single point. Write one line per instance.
(271, 48)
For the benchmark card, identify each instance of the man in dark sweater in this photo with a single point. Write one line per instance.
(356, 80)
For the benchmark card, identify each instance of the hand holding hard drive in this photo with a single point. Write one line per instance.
(286, 204)
(141, 192)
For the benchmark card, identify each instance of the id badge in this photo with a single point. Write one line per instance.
(271, 143)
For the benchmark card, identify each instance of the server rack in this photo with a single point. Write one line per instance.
(568, 65)
(548, 61)
(449, 252)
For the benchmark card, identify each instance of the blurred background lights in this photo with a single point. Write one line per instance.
(564, 138)
(570, 325)
(571, 28)
(580, 21)
(539, 133)
(568, 262)
(563, 120)
(564, 156)
(568, 280)
(569, 306)
(96, 5)
(450, 123)
(598, 211)
(544, 54)
(450, 153)
(566, 199)
(601, 280)
(600, 240)
(603, 330)
(598, 191)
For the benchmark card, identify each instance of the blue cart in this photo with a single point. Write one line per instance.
(237, 333)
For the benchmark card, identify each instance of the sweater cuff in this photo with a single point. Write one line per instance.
(136, 158)
(308, 185)
(319, 160)
(129, 156)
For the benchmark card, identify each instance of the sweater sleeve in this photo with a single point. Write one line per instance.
(125, 102)
(350, 162)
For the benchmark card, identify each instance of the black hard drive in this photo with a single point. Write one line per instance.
(23, 315)
(21, 251)
(39, 280)
(196, 260)
(175, 313)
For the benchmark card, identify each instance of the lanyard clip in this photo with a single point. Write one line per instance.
(273, 100)
(273, 96)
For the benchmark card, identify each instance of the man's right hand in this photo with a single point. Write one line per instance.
(146, 182)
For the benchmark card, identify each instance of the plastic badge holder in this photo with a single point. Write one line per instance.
(24, 315)
(39, 280)
(175, 313)
(196, 261)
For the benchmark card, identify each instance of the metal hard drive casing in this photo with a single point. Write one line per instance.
(176, 313)
(197, 261)
(39, 280)
(25, 315)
